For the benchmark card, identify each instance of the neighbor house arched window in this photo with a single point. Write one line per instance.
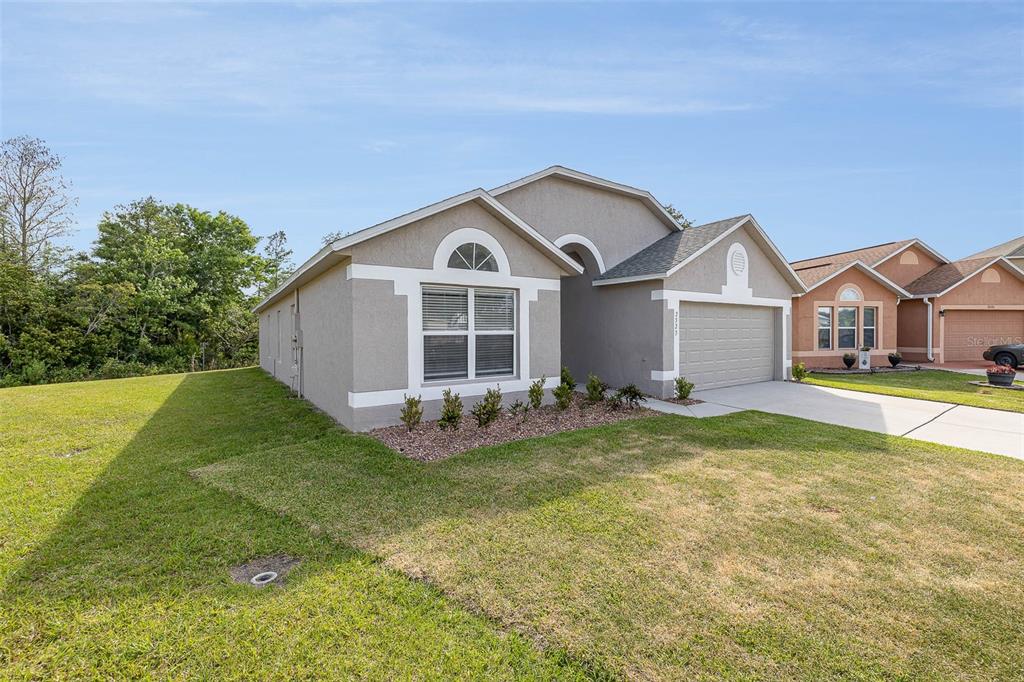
(473, 256)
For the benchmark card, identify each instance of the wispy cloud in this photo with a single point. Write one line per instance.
(326, 58)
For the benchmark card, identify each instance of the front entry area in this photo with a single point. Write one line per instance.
(723, 344)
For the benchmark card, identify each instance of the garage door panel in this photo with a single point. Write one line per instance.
(723, 345)
(967, 333)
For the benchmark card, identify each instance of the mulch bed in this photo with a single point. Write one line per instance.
(427, 442)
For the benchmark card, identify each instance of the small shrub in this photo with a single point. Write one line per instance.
(518, 410)
(630, 396)
(451, 410)
(535, 394)
(799, 371)
(412, 411)
(683, 388)
(567, 379)
(563, 396)
(595, 389)
(849, 359)
(865, 349)
(895, 359)
(614, 401)
(488, 409)
(34, 372)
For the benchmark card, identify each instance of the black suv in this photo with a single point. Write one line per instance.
(1009, 354)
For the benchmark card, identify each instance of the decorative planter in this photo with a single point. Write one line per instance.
(864, 359)
(1000, 379)
(895, 359)
(849, 359)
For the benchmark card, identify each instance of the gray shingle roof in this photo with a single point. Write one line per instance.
(943, 277)
(670, 250)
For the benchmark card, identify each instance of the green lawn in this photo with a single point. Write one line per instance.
(114, 560)
(745, 546)
(927, 384)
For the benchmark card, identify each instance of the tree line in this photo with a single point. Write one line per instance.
(164, 288)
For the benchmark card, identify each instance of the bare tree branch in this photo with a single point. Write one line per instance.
(35, 200)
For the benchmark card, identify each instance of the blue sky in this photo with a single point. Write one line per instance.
(836, 125)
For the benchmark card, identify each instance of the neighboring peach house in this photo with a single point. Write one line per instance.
(906, 296)
(974, 303)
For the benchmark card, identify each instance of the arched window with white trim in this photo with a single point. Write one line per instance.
(473, 256)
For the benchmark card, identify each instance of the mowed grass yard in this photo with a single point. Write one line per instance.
(745, 546)
(927, 384)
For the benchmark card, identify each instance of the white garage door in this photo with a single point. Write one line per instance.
(723, 345)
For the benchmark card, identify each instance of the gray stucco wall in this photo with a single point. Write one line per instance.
(545, 334)
(413, 246)
(615, 332)
(325, 313)
(708, 272)
(380, 357)
(618, 225)
(275, 340)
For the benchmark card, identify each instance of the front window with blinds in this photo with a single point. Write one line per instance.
(468, 332)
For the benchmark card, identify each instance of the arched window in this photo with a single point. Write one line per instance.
(473, 256)
(849, 294)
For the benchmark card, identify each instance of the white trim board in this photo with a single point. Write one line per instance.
(914, 242)
(409, 283)
(867, 270)
(573, 238)
(1002, 260)
(740, 222)
(646, 197)
(674, 297)
(488, 202)
(397, 397)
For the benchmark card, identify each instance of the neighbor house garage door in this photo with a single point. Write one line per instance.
(967, 333)
(722, 345)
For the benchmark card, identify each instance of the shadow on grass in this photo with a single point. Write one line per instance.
(145, 524)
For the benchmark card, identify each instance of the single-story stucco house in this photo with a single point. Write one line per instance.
(501, 287)
(906, 296)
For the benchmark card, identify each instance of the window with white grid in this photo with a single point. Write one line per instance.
(468, 332)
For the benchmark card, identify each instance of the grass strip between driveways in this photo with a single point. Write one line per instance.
(927, 384)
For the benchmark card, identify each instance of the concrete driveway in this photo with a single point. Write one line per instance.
(994, 431)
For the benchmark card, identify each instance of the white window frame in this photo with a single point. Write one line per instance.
(471, 332)
(856, 321)
(818, 327)
(865, 327)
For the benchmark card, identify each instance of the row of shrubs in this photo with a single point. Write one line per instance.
(37, 372)
(489, 408)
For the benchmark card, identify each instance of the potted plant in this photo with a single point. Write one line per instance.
(1000, 375)
(895, 359)
(849, 359)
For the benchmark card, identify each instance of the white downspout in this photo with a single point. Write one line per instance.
(931, 358)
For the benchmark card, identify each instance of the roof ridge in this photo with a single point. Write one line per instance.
(863, 248)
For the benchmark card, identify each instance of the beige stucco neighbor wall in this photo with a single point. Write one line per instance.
(707, 273)
(413, 246)
(618, 225)
(805, 311)
(897, 270)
